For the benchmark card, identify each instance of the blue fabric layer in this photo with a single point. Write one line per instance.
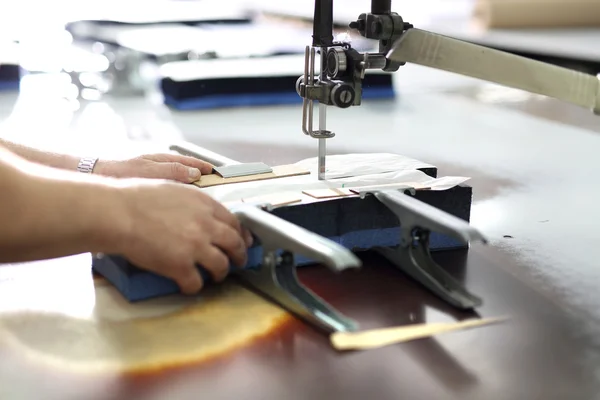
(137, 285)
(259, 99)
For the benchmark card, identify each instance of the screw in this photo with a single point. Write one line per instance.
(359, 25)
(345, 96)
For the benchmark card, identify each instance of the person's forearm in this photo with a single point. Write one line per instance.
(50, 159)
(47, 213)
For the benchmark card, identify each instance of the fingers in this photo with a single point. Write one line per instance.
(187, 278)
(247, 237)
(230, 219)
(215, 257)
(224, 215)
(215, 262)
(204, 167)
(231, 243)
(221, 213)
(174, 171)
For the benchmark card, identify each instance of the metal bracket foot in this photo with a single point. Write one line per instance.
(417, 221)
(276, 278)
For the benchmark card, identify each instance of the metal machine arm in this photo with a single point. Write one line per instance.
(344, 67)
(338, 82)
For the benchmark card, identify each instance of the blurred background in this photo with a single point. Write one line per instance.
(79, 74)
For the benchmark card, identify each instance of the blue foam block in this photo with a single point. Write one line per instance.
(357, 224)
(137, 285)
(259, 99)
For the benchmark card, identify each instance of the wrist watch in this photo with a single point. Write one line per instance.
(86, 165)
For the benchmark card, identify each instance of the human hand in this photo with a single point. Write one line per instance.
(171, 228)
(156, 166)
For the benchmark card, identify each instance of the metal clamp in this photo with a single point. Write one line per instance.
(276, 277)
(412, 256)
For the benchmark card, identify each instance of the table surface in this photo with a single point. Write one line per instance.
(533, 164)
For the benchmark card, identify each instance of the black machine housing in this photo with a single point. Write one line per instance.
(343, 68)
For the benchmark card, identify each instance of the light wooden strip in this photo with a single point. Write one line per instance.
(414, 185)
(331, 193)
(328, 193)
(280, 171)
(383, 337)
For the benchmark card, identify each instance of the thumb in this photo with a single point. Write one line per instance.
(176, 172)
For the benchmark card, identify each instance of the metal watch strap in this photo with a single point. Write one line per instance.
(86, 165)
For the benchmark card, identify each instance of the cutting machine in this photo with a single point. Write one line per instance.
(338, 83)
